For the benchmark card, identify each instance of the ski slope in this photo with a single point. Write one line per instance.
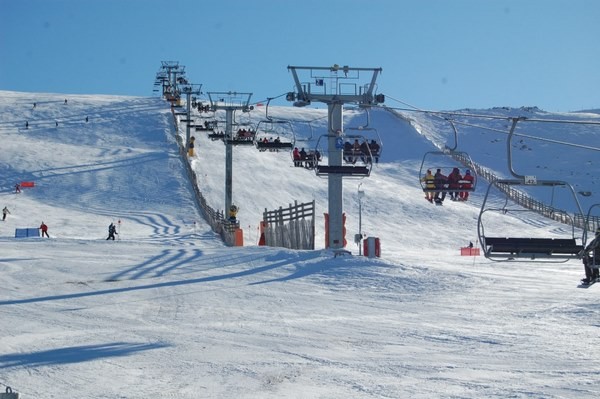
(168, 311)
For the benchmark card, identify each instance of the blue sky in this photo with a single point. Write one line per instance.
(435, 54)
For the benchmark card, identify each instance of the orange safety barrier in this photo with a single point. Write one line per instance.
(27, 184)
(239, 237)
(466, 251)
(372, 247)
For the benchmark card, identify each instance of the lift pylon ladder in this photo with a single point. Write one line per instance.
(510, 248)
(334, 86)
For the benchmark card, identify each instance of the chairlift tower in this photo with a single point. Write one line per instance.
(172, 68)
(335, 86)
(189, 90)
(229, 102)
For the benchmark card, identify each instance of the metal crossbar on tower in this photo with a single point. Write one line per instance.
(335, 86)
(229, 102)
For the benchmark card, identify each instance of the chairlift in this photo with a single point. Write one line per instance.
(243, 134)
(216, 135)
(208, 125)
(371, 138)
(242, 137)
(348, 169)
(272, 134)
(446, 161)
(508, 247)
(309, 159)
(270, 131)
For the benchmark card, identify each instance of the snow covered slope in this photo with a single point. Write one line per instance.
(169, 311)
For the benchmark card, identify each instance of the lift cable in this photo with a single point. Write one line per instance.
(587, 147)
(459, 114)
(462, 114)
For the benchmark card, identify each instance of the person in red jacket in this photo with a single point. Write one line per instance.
(44, 229)
(453, 183)
(467, 184)
(297, 159)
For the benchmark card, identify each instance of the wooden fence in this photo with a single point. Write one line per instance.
(216, 219)
(292, 227)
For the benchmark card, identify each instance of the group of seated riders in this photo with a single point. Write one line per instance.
(270, 140)
(306, 159)
(364, 151)
(437, 185)
(208, 125)
(240, 135)
(245, 135)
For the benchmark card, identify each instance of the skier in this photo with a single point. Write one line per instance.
(5, 212)
(374, 147)
(453, 183)
(429, 185)
(17, 188)
(466, 183)
(112, 230)
(440, 181)
(302, 155)
(296, 156)
(44, 229)
(591, 263)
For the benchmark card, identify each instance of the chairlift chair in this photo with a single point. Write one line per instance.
(510, 248)
(242, 136)
(216, 136)
(268, 128)
(446, 161)
(371, 136)
(208, 126)
(347, 169)
(514, 247)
